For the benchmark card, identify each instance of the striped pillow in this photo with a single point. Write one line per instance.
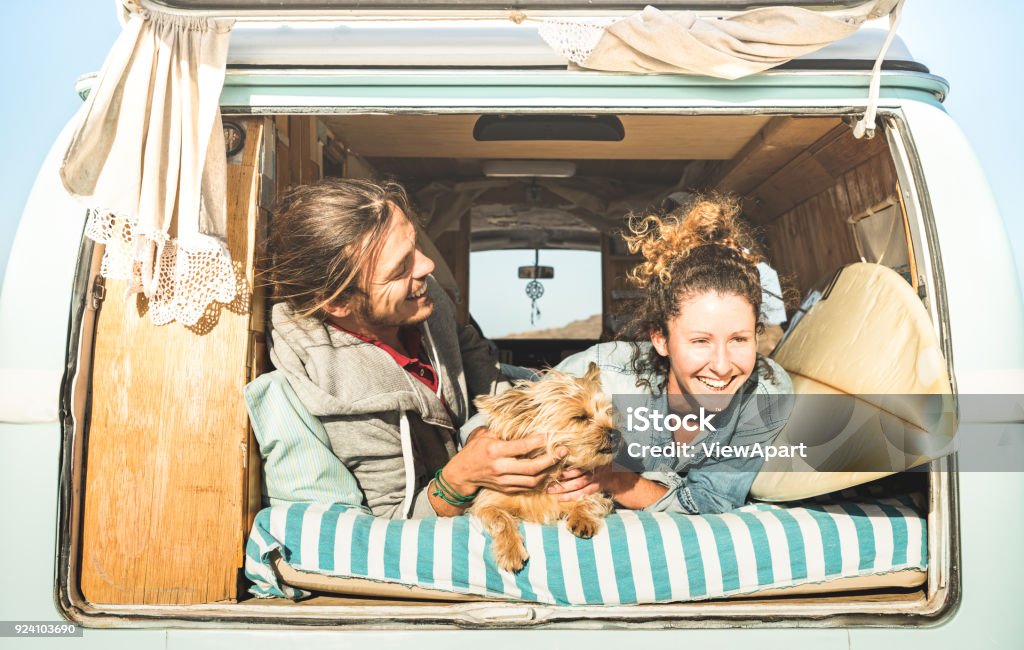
(298, 464)
(637, 557)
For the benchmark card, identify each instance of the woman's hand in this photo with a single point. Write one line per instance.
(626, 488)
(575, 484)
(502, 465)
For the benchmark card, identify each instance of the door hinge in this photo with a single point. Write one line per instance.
(99, 291)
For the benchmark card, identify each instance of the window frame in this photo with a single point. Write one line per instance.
(942, 594)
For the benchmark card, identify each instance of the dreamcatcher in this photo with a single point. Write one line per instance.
(534, 289)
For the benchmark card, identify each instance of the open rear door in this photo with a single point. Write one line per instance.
(172, 473)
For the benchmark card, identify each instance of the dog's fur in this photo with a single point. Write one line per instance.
(575, 415)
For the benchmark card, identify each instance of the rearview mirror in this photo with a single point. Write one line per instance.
(536, 272)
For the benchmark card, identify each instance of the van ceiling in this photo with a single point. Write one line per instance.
(648, 137)
(438, 160)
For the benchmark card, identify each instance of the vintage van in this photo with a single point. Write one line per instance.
(132, 479)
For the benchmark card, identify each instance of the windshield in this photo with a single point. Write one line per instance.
(570, 307)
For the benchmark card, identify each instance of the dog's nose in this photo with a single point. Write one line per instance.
(615, 438)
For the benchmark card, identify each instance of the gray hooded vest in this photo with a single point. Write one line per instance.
(389, 429)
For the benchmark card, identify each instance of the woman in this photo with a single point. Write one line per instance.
(698, 323)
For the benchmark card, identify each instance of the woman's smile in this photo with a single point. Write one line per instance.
(715, 384)
(711, 345)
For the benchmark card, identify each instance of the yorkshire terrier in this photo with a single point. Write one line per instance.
(576, 416)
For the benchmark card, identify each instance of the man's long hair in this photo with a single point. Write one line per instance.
(324, 237)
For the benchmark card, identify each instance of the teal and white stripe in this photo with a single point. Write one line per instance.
(637, 557)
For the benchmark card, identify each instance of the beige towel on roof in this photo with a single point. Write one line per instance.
(683, 42)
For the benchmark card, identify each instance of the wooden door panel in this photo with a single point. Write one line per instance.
(167, 456)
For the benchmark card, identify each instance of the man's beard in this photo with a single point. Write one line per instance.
(376, 320)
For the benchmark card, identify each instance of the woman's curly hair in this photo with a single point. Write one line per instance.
(698, 248)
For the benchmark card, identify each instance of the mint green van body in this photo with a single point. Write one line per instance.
(972, 296)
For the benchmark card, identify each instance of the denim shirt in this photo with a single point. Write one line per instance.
(702, 483)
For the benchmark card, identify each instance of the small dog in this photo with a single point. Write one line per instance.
(575, 415)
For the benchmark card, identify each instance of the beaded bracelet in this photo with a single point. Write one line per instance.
(444, 491)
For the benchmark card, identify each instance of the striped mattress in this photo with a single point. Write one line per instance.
(637, 557)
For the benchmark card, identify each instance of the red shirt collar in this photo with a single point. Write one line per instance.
(413, 342)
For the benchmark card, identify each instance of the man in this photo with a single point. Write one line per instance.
(369, 344)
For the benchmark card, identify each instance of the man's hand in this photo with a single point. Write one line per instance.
(503, 465)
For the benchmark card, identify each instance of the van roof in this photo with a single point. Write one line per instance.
(476, 44)
(476, 7)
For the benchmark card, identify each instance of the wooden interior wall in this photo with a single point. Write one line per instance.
(298, 155)
(454, 248)
(167, 456)
(616, 291)
(809, 235)
(780, 143)
(800, 179)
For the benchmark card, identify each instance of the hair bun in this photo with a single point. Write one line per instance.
(664, 240)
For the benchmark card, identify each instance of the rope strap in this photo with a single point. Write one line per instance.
(865, 126)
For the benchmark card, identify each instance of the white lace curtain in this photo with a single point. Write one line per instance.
(148, 158)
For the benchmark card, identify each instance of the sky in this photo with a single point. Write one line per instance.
(49, 43)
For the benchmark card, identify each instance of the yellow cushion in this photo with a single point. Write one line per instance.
(870, 344)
